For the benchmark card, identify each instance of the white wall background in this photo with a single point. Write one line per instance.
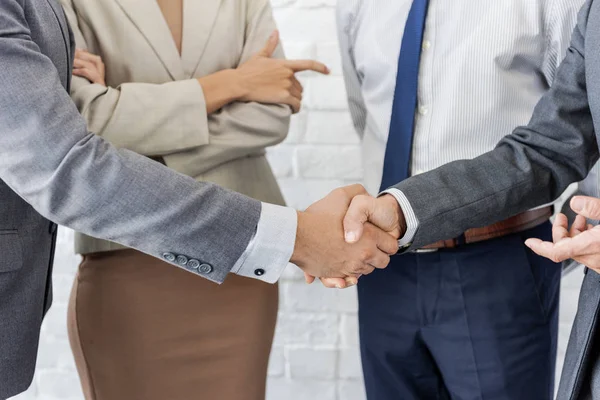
(315, 355)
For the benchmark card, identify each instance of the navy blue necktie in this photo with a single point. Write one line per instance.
(399, 145)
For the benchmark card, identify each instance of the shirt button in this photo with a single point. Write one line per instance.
(181, 260)
(206, 269)
(426, 44)
(169, 257)
(423, 110)
(259, 272)
(193, 264)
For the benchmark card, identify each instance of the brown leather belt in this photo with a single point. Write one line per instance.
(518, 223)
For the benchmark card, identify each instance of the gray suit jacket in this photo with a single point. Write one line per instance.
(530, 167)
(52, 167)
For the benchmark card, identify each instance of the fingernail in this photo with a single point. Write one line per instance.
(350, 237)
(577, 204)
(337, 285)
(527, 243)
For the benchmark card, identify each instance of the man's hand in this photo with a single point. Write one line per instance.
(383, 212)
(581, 242)
(363, 211)
(320, 247)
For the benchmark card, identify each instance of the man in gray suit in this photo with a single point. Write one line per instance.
(52, 167)
(528, 168)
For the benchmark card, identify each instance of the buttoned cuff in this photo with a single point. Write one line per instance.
(271, 248)
(412, 223)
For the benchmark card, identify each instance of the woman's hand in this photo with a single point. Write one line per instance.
(89, 66)
(268, 80)
(261, 79)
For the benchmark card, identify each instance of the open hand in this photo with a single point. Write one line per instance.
(581, 242)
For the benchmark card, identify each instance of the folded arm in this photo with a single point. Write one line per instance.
(223, 107)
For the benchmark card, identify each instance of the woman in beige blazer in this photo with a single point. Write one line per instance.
(192, 84)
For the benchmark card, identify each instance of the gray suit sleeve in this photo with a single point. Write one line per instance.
(530, 167)
(75, 178)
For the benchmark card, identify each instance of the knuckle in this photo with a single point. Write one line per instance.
(366, 254)
(367, 269)
(338, 191)
(357, 187)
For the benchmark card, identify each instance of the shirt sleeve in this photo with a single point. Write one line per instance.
(271, 248)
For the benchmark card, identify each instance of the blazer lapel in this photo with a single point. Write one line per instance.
(198, 20)
(148, 18)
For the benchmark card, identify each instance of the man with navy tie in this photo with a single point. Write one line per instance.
(430, 82)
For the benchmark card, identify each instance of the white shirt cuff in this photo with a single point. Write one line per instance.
(412, 223)
(271, 248)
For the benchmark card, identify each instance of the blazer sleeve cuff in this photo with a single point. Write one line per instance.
(193, 126)
(412, 222)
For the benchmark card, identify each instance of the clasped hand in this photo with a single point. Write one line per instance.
(347, 234)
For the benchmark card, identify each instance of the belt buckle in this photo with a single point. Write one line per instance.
(424, 251)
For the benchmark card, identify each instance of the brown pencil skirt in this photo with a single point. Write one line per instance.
(143, 329)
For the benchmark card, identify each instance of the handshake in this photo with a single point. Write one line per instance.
(347, 234)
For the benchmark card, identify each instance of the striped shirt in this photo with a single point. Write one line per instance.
(484, 66)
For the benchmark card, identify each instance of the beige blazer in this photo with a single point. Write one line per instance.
(153, 104)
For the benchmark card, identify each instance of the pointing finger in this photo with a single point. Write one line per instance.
(307, 65)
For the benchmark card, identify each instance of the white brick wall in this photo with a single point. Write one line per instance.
(315, 355)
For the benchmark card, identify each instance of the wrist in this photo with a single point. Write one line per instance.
(300, 245)
(391, 203)
(220, 89)
(235, 81)
(225, 82)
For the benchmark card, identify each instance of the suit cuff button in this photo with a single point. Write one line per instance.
(181, 260)
(206, 269)
(259, 272)
(169, 257)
